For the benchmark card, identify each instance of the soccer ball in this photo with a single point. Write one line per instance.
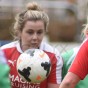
(33, 65)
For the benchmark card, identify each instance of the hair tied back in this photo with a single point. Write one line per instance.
(33, 6)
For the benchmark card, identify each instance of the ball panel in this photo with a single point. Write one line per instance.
(33, 65)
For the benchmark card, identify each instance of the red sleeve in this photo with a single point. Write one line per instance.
(80, 63)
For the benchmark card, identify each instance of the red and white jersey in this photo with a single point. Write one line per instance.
(12, 52)
(80, 63)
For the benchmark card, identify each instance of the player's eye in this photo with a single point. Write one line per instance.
(40, 32)
(30, 32)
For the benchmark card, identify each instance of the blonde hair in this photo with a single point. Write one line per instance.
(33, 12)
(85, 29)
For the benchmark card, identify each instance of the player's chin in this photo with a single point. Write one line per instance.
(34, 47)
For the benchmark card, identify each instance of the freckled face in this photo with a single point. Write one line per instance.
(32, 34)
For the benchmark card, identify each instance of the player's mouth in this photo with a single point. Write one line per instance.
(34, 45)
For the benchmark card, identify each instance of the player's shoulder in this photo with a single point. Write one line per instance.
(48, 48)
(51, 51)
(9, 45)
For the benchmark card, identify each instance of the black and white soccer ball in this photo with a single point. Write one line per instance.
(34, 65)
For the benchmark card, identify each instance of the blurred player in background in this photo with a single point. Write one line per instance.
(72, 80)
(29, 29)
(4, 72)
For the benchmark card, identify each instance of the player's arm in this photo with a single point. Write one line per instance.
(50, 85)
(70, 80)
